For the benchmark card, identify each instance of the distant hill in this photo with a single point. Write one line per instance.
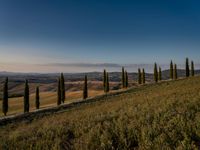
(48, 82)
(93, 76)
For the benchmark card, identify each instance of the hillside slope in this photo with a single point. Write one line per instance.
(158, 116)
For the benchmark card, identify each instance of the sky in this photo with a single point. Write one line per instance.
(62, 34)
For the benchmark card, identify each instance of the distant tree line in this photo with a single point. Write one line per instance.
(106, 86)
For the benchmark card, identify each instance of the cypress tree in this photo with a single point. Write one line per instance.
(26, 97)
(175, 72)
(5, 97)
(123, 78)
(187, 69)
(143, 76)
(126, 79)
(85, 89)
(171, 70)
(155, 73)
(37, 98)
(104, 80)
(139, 76)
(159, 74)
(107, 83)
(62, 87)
(59, 92)
(192, 68)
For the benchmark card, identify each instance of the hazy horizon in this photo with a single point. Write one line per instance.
(81, 67)
(96, 32)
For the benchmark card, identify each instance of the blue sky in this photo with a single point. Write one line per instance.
(100, 31)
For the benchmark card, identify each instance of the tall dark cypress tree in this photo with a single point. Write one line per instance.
(126, 79)
(155, 73)
(62, 87)
(37, 98)
(192, 68)
(187, 68)
(159, 74)
(171, 70)
(143, 76)
(104, 80)
(5, 97)
(175, 72)
(123, 78)
(139, 76)
(85, 88)
(26, 97)
(59, 92)
(107, 83)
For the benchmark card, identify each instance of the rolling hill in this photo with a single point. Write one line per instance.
(155, 116)
(48, 82)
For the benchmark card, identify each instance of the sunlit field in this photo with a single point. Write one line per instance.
(48, 99)
(158, 116)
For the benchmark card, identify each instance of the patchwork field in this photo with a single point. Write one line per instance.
(48, 99)
(158, 116)
(48, 94)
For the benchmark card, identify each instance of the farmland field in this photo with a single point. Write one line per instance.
(48, 99)
(157, 116)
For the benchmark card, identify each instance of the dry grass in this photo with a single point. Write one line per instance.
(159, 116)
(47, 99)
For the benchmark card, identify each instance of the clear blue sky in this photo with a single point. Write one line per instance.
(99, 31)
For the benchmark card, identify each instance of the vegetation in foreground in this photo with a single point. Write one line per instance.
(159, 116)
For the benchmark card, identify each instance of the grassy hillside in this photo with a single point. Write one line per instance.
(48, 99)
(159, 116)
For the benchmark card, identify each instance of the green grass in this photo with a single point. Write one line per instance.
(158, 116)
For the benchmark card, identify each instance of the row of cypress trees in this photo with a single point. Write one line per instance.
(141, 76)
(188, 71)
(187, 68)
(61, 85)
(26, 97)
(60, 97)
(173, 71)
(155, 73)
(124, 78)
